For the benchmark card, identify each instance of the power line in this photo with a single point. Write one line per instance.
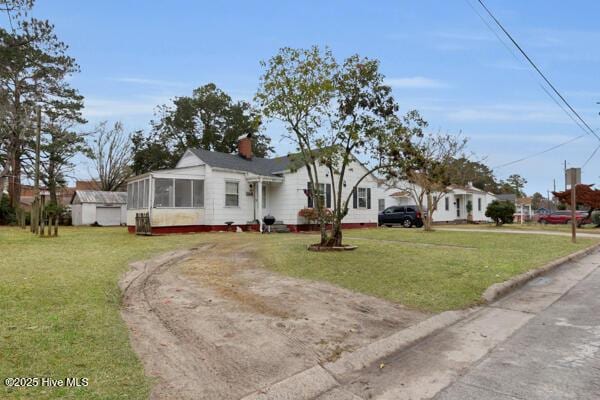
(556, 146)
(591, 156)
(538, 70)
(519, 60)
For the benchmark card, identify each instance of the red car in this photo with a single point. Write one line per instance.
(563, 217)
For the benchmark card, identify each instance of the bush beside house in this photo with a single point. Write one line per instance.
(501, 212)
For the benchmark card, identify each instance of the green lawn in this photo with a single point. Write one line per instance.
(59, 310)
(60, 301)
(432, 271)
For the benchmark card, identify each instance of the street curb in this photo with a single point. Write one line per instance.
(317, 380)
(501, 289)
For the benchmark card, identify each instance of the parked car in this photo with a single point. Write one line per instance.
(563, 217)
(406, 216)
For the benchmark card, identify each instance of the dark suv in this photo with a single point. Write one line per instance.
(406, 216)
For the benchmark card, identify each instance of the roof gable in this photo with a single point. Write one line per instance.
(97, 196)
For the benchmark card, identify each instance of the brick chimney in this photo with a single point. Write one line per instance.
(245, 146)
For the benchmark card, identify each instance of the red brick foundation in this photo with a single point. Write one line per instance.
(166, 230)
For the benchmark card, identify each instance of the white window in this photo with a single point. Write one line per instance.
(198, 194)
(322, 193)
(381, 204)
(163, 192)
(232, 196)
(362, 197)
(183, 192)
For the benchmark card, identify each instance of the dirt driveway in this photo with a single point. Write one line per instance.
(212, 324)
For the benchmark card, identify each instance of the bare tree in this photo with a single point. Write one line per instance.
(429, 173)
(111, 154)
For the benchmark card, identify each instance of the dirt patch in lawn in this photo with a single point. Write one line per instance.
(213, 324)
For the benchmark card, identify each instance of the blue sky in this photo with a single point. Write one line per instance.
(439, 57)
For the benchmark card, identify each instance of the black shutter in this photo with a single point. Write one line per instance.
(369, 198)
(309, 195)
(354, 198)
(328, 195)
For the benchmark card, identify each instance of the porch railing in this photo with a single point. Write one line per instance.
(142, 224)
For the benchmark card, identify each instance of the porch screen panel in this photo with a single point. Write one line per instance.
(129, 196)
(141, 191)
(183, 192)
(163, 192)
(198, 189)
(135, 195)
(146, 193)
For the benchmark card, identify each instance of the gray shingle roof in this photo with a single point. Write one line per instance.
(259, 166)
(97, 196)
(507, 197)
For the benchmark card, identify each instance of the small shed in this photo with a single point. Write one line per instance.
(94, 206)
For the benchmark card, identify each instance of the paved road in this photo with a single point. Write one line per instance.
(556, 355)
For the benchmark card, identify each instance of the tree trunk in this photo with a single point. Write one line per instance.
(336, 234)
(428, 222)
(14, 178)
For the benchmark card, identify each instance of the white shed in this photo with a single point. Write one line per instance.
(104, 208)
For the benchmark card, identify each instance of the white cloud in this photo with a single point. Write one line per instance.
(147, 82)
(415, 82)
(104, 108)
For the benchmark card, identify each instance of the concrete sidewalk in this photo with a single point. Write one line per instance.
(523, 231)
(570, 345)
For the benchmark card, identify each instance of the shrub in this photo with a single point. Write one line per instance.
(7, 213)
(312, 215)
(501, 212)
(596, 217)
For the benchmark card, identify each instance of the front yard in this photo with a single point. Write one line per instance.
(60, 300)
(433, 271)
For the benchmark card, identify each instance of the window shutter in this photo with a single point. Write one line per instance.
(328, 195)
(369, 198)
(354, 198)
(309, 195)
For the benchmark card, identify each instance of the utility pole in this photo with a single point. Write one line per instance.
(36, 211)
(37, 151)
(573, 176)
(565, 170)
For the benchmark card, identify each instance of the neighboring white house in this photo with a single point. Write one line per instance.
(103, 208)
(451, 208)
(207, 190)
(523, 206)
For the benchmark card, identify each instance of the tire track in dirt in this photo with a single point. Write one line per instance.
(210, 323)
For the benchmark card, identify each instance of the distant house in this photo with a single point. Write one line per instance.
(209, 190)
(523, 206)
(104, 208)
(452, 208)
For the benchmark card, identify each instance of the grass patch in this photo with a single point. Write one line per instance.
(434, 271)
(60, 310)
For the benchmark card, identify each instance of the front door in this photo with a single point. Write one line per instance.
(457, 207)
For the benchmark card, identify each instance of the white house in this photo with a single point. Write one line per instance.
(104, 208)
(453, 207)
(209, 190)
